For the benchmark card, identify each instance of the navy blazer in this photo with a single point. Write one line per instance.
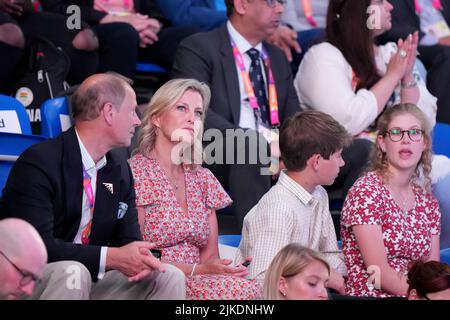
(45, 187)
(208, 57)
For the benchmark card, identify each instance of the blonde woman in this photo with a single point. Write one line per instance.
(297, 273)
(177, 199)
(390, 218)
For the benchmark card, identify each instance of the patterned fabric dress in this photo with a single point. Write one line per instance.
(406, 235)
(179, 235)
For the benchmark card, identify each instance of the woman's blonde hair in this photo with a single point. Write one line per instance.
(379, 161)
(289, 261)
(165, 98)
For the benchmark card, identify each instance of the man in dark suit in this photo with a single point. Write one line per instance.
(434, 46)
(80, 197)
(209, 57)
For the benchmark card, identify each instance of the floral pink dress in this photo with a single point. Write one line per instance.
(406, 235)
(180, 236)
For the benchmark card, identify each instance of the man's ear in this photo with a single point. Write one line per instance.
(240, 6)
(314, 161)
(107, 113)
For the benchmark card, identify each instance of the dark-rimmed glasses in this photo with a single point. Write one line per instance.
(396, 134)
(273, 3)
(26, 276)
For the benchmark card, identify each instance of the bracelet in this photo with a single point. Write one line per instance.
(408, 84)
(193, 269)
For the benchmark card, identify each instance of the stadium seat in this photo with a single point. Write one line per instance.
(55, 117)
(445, 255)
(150, 67)
(231, 240)
(441, 141)
(11, 146)
(13, 116)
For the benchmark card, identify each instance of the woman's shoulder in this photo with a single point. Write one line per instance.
(369, 180)
(141, 162)
(323, 48)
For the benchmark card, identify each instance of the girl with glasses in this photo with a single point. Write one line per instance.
(390, 218)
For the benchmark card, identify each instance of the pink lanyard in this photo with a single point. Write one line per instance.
(308, 12)
(90, 195)
(273, 100)
(436, 4)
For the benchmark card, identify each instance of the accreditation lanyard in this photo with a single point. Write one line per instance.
(273, 100)
(308, 12)
(436, 4)
(90, 195)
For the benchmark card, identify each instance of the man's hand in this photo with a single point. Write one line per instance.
(13, 7)
(134, 260)
(285, 39)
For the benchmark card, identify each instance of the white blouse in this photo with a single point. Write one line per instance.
(324, 83)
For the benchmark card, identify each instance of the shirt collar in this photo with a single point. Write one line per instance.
(242, 44)
(88, 162)
(304, 196)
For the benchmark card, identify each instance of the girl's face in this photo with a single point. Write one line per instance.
(404, 143)
(310, 284)
(379, 16)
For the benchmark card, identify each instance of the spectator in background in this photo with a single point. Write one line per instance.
(127, 30)
(22, 258)
(390, 218)
(19, 23)
(429, 280)
(296, 208)
(209, 57)
(308, 19)
(177, 198)
(297, 273)
(431, 19)
(80, 198)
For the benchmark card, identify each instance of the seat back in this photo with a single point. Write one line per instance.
(11, 147)
(13, 116)
(445, 255)
(55, 117)
(231, 240)
(441, 139)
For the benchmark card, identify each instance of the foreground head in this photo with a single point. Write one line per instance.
(403, 142)
(108, 102)
(313, 138)
(175, 113)
(261, 17)
(297, 273)
(22, 258)
(429, 281)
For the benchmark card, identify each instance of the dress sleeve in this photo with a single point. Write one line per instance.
(216, 196)
(363, 204)
(142, 180)
(434, 216)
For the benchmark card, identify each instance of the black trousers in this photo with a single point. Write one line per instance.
(437, 61)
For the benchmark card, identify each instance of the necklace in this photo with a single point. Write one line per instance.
(400, 198)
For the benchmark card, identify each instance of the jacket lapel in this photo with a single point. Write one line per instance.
(73, 179)
(230, 75)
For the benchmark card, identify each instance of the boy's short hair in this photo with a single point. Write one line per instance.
(308, 133)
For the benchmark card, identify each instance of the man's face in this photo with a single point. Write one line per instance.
(262, 16)
(125, 120)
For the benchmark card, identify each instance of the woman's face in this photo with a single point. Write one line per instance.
(380, 16)
(310, 284)
(404, 143)
(183, 121)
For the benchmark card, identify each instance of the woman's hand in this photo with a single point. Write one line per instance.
(399, 63)
(410, 46)
(222, 266)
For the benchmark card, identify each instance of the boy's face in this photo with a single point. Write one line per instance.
(328, 169)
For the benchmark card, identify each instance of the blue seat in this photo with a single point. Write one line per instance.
(232, 240)
(11, 146)
(150, 67)
(10, 104)
(445, 255)
(441, 139)
(51, 112)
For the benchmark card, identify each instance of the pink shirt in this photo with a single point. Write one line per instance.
(117, 7)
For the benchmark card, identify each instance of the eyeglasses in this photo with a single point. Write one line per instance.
(396, 134)
(273, 3)
(26, 276)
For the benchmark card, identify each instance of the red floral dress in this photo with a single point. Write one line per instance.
(180, 236)
(406, 235)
